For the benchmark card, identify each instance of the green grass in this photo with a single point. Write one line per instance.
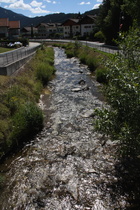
(20, 117)
(4, 49)
(93, 58)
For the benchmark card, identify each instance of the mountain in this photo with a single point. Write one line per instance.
(27, 21)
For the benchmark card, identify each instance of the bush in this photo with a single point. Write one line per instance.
(122, 120)
(92, 62)
(2, 179)
(99, 36)
(26, 122)
(43, 65)
(20, 117)
(44, 72)
(101, 75)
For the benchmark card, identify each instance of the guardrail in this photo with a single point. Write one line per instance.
(15, 55)
(103, 48)
(96, 45)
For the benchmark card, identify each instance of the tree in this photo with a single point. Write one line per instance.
(115, 16)
(121, 119)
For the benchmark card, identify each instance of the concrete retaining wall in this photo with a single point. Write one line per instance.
(12, 67)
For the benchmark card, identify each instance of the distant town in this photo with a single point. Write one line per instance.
(68, 29)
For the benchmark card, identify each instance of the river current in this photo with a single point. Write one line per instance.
(68, 166)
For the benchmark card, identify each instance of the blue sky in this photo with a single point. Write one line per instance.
(32, 8)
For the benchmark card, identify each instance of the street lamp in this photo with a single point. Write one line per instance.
(32, 32)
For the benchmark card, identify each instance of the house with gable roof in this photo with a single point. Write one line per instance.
(87, 24)
(49, 30)
(82, 27)
(4, 26)
(27, 31)
(14, 29)
(10, 29)
(71, 28)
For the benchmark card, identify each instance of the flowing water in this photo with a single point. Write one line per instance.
(68, 166)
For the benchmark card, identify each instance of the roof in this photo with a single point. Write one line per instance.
(88, 19)
(4, 22)
(71, 22)
(28, 29)
(91, 16)
(42, 24)
(14, 24)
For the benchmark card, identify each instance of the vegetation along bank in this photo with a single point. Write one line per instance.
(20, 116)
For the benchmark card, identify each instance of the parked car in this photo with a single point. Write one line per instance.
(10, 45)
(18, 43)
(15, 44)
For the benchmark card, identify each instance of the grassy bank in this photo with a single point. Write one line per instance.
(20, 117)
(4, 49)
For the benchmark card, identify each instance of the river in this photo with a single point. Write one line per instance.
(68, 166)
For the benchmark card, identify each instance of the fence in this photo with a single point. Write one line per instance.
(15, 55)
(101, 47)
(96, 45)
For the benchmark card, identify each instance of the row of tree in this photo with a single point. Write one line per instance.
(117, 16)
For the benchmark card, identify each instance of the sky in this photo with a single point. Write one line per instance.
(33, 8)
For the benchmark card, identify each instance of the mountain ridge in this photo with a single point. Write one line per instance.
(56, 17)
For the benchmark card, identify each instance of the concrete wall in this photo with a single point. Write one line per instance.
(12, 67)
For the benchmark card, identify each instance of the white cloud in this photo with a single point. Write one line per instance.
(96, 6)
(38, 10)
(83, 3)
(19, 5)
(7, 1)
(100, 1)
(48, 1)
(36, 4)
(34, 7)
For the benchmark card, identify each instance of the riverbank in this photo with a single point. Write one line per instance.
(93, 58)
(68, 165)
(20, 116)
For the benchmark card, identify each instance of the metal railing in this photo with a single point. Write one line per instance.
(15, 55)
(96, 45)
(102, 47)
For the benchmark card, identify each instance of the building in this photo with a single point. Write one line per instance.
(9, 29)
(49, 30)
(14, 29)
(82, 27)
(71, 28)
(29, 31)
(87, 24)
(4, 26)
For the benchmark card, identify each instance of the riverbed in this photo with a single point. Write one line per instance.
(67, 166)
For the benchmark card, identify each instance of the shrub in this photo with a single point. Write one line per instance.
(2, 179)
(99, 36)
(83, 55)
(101, 75)
(44, 72)
(121, 121)
(92, 62)
(26, 122)
(20, 117)
(12, 98)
